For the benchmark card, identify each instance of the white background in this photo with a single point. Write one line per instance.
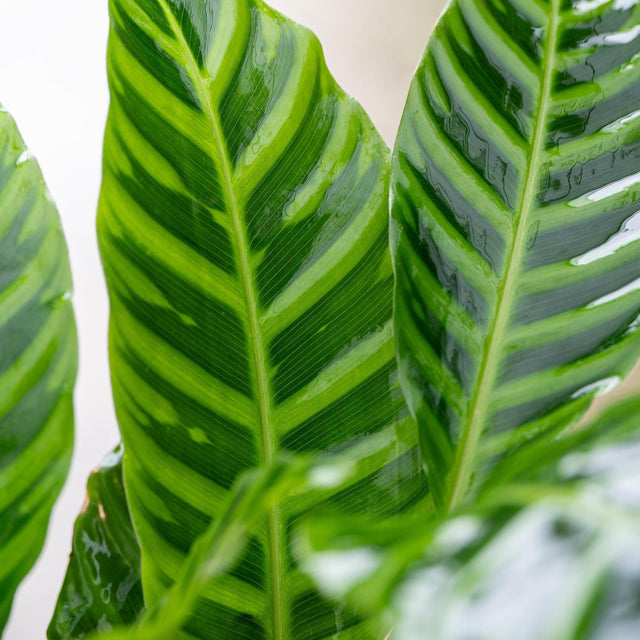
(52, 79)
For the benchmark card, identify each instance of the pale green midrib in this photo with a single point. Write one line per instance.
(276, 555)
(465, 453)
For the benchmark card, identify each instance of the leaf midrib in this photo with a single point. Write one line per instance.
(478, 409)
(265, 396)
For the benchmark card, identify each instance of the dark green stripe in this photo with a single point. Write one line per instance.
(375, 408)
(357, 307)
(537, 306)
(459, 127)
(154, 60)
(213, 338)
(297, 246)
(579, 179)
(567, 350)
(182, 216)
(585, 122)
(231, 448)
(449, 203)
(524, 32)
(512, 98)
(572, 240)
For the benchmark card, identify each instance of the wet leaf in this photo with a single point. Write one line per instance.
(102, 588)
(243, 228)
(515, 234)
(552, 557)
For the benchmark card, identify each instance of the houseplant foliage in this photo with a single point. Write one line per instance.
(218, 550)
(552, 556)
(243, 229)
(243, 232)
(102, 588)
(37, 360)
(516, 189)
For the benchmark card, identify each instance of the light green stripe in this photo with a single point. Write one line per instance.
(286, 112)
(507, 140)
(501, 42)
(464, 178)
(175, 477)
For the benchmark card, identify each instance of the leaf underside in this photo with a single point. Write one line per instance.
(516, 226)
(243, 229)
(102, 588)
(37, 361)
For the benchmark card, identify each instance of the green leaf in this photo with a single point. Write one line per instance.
(102, 588)
(219, 548)
(243, 229)
(516, 198)
(106, 550)
(535, 561)
(538, 460)
(38, 358)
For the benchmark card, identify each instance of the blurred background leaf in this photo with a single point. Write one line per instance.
(38, 361)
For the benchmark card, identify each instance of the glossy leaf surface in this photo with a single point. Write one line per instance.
(243, 229)
(534, 561)
(516, 204)
(37, 360)
(103, 587)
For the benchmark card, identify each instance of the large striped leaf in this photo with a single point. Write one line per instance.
(533, 561)
(243, 228)
(102, 588)
(37, 360)
(516, 200)
(220, 547)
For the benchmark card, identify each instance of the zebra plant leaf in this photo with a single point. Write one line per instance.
(515, 212)
(105, 561)
(533, 560)
(243, 229)
(219, 548)
(102, 588)
(37, 361)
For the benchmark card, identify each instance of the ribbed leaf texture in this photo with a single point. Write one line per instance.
(219, 548)
(243, 229)
(533, 561)
(102, 588)
(516, 212)
(37, 360)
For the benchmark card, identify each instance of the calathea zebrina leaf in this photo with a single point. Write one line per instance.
(243, 229)
(218, 549)
(102, 588)
(516, 196)
(536, 560)
(37, 360)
